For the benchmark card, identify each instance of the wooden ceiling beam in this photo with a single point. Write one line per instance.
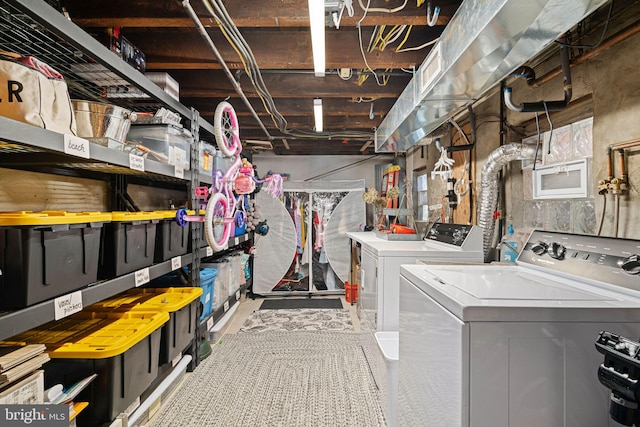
(205, 85)
(273, 49)
(247, 14)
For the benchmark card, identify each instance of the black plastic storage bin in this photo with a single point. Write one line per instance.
(129, 243)
(47, 254)
(121, 347)
(172, 239)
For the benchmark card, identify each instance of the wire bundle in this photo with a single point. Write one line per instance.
(231, 32)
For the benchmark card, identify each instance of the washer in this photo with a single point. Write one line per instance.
(497, 346)
(378, 295)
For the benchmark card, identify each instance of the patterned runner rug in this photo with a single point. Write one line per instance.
(298, 320)
(310, 379)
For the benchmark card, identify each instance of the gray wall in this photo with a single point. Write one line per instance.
(322, 168)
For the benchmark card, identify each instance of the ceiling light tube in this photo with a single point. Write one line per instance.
(317, 113)
(316, 22)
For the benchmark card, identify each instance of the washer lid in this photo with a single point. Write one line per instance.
(513, 284)
(513, 293)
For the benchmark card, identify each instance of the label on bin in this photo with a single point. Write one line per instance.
(67, 305)
(142, 276)
(176, 262)
(179, 172)
(136, 162)
(207, 298)
(75, 146)
(238, 295)
(226, 306)
(209, 251)
(209, 323)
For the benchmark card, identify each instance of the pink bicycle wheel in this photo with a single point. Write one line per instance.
(217, 228)
(226, 131)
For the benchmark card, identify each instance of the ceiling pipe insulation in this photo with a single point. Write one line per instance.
(490, 187)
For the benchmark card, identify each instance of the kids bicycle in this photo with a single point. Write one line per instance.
(224, 209)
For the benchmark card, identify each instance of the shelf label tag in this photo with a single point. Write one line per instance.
(179, 173)
(176, 262)
(136, 162)
(209, 323)
(67, 305)
(142, 276)
(238, 295)
(226, 306)
(209, 251)
(75, 146)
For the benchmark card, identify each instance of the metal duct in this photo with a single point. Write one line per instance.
(483, 43)
(490, 186)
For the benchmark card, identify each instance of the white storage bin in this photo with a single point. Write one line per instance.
(222, 287)
(166, 143)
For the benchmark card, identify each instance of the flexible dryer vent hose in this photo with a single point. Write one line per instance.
(490, 187)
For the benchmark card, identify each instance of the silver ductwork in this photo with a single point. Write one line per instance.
(490, 187)
(482, 44)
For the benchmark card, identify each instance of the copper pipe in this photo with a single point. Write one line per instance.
(609, 165)
(623, 166)
(608, 43)
(626, 144)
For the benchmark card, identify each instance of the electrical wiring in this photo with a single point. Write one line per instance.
(422, 46)
(604, 31)
(232, 34)
(404, 40)
(383, 10)
(359, 25)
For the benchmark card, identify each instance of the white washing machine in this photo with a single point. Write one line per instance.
(378, 304)
(498, 346)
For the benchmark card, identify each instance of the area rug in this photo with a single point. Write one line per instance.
(298, 320)
(290, 303)
(310, 379)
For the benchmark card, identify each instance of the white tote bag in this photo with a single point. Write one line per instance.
(33, 92)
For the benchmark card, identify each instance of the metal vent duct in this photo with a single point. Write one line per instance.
(484, 42)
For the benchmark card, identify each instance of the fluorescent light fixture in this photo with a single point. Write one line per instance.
(317, 113)
(316, 22)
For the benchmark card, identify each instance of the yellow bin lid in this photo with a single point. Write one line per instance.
(150, 299)
(135, 216)
(94, 335)
(51, 218)
(168, 214)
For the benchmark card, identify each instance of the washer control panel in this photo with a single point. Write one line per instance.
(606, 259)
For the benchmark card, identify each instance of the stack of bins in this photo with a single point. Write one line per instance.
(121, 347)
(129, 243)
(172, 239)
(180, 303)
(207, 283)
(47, 254)
(221, 288)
